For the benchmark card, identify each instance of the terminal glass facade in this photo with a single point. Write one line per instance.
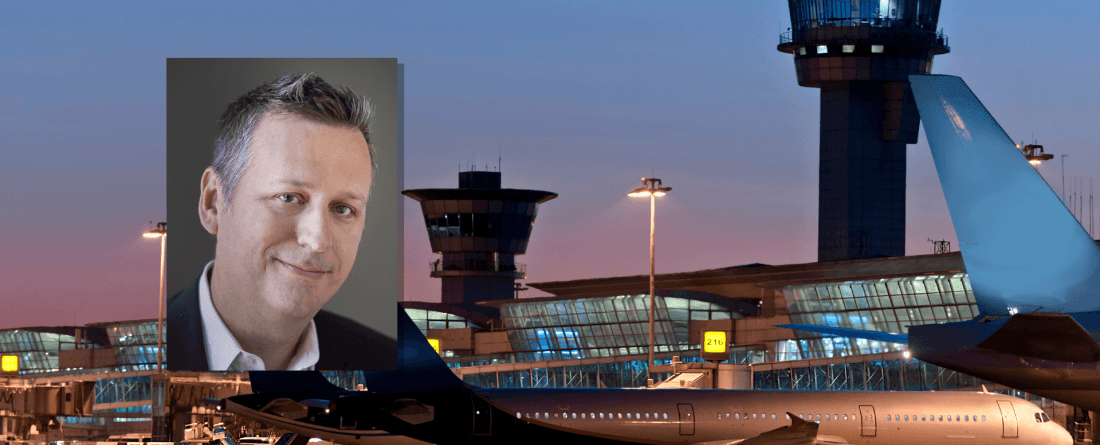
(602, 327)
(883, 305)
(135, 344)
(428, 319)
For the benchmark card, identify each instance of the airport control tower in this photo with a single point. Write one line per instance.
(860, 54)
(478, 228)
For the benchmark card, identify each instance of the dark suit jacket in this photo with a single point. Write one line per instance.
(344, 344)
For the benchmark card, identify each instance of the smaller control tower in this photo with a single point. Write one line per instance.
(479, 228)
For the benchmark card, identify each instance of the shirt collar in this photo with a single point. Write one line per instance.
(222, 349)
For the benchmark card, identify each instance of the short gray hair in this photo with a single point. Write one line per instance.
(304, 95)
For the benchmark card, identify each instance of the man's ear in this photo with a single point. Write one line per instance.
(210, 200)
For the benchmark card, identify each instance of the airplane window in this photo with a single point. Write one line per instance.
(736, 416)
(574, 415)
(983, 417)
(845, 417)
(546, 415)
(966, 418)
(536, 415)
(519, 415)
(582, 415)
(1045, 417)
(727, 416)
(922, 418)
(654, 415)
(591, 415)
(956, 417)
(826, 417)
(601, 415)
(801, 417)
(1038, 419)
(665, 415)
(621, 415)
(753, 416)
(647, 415)
(836, 416)
(906, 417)
(941, 418)
(887, 417)
(638, 416)
(610, 415)
(720, 416)
(788, 416)
(948, 417)
(819, 417)
(527, 415)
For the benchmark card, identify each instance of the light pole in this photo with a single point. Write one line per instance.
(1064, 179)
(652, 189)
(162, 233)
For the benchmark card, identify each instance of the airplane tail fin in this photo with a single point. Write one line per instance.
(1022, 247)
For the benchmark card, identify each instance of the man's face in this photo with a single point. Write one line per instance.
(289, 236)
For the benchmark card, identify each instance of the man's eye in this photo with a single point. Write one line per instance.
(344, 210)
(288, 198)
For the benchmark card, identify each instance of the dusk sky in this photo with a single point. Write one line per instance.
(581, 99)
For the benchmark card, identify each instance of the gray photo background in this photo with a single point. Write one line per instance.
(199, 91)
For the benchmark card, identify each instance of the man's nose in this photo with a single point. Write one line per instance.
(314, 228)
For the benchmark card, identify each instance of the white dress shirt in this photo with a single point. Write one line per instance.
(223, 352)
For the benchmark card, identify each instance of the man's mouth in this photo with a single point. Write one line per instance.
(307, 270)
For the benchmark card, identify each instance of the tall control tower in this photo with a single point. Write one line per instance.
(860, 54)
(478, 228)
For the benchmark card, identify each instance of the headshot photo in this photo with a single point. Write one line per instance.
(284, 204)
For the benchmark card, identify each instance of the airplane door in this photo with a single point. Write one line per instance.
(867, 417)
(483, 416)
(687, 419)
(1008, 416)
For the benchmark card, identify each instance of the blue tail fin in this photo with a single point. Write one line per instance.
(1022, 248)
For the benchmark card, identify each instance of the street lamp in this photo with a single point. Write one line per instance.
(652, 189)
(162, 233)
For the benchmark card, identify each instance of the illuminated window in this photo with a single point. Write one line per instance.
(627, 415)
(822, 49)
(802, 51)
(983, 417)
(727, 416)
(546, 415)
(536, 415)
(665, 415)
(773, 416)
(845, 417)
(637, 415)
(736, 417)
(876, 48)
(849, 48)
(601, 415)
(753, 416)
(800, 417)
(574, 415)
(621, 415)
(582, 415)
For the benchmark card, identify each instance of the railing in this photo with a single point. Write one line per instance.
(476, 266)
(787, 37)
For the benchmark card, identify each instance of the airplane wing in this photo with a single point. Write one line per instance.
(800, 432)
(1022, 247)
(848, 332)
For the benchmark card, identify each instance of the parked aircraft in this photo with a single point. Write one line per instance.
(424, 400)
(1034, 270)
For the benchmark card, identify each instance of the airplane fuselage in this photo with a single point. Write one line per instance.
(618, 416)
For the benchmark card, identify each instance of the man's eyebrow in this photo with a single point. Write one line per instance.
(346, 195)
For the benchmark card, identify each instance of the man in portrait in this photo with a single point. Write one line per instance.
(286, 199)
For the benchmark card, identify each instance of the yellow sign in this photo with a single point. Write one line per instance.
(714, 341)
(9, 363)
(435, 344)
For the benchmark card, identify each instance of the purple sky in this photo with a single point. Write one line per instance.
(582, 99)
